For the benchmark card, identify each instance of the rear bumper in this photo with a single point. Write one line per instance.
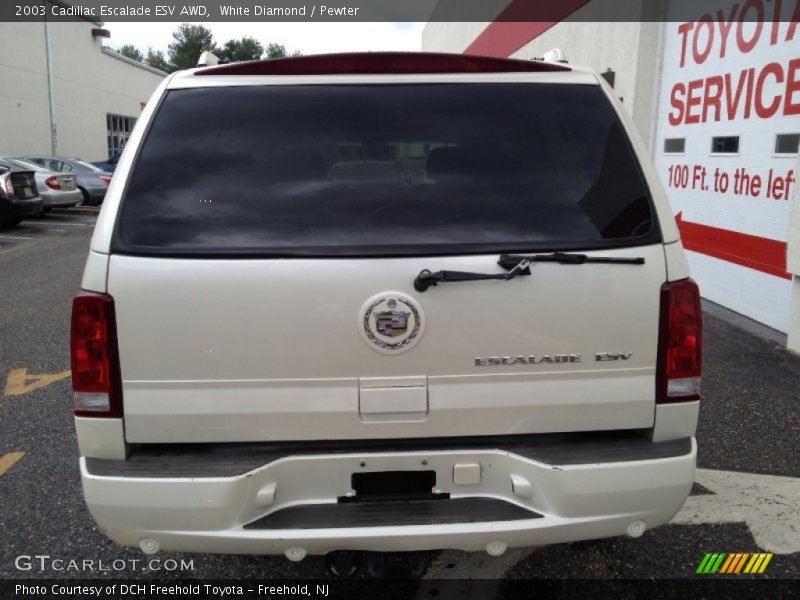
(62, 199)
(28, 207)
(261, 511)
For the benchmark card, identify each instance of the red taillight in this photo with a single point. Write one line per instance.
(381, 63)
(9, 186)
(96, 382)
(105, 180)
(52, 183)
(680, 343)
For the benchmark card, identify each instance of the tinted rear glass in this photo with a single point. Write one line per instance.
(365, 170)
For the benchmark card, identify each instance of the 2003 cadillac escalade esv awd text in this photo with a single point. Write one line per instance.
(384, 302)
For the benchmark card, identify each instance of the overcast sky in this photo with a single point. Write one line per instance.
(308, 38)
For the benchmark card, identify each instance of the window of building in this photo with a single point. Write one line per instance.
(119, 129)
(787, 143)
(674, 145)
(725, 144)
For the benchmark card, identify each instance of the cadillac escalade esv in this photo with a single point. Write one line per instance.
(384, 302)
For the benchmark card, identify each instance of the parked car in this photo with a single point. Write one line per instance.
(92, 181)
(110, 164)
(503, 350)
(58, 190)
(19, 198)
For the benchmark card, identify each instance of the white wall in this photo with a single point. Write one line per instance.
(87, 84)
(24, 112)
(759, 295)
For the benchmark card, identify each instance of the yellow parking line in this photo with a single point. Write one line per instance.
(8, 460)
(20, 382)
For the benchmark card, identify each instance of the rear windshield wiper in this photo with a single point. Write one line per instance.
(517, 265)
(426, 279)
(509, 261)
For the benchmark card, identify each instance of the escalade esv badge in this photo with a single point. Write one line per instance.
(391, 322)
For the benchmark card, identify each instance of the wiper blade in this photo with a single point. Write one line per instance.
(509, 261)
(517, 265)
(426, 279)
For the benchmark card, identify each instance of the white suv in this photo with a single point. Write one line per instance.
(384, 302)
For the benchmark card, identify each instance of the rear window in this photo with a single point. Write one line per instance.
(372, 170)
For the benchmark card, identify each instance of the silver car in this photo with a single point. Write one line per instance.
(58, 190)
(92, 181)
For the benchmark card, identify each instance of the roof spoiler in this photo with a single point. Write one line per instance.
(380, 63)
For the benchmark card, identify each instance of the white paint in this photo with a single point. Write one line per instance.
(101, 438)
(467, 474)
(770, 506)
(322, 388)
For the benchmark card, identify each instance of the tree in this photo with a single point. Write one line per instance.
(278, 51)
(155, 59)
(132, 52)
(246, 48)
(189, 42)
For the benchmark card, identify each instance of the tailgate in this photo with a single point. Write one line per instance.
(247, 350)
(264, 291)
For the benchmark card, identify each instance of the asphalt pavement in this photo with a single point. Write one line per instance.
(749, 422)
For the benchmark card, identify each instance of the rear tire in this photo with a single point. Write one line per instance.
(86, 200)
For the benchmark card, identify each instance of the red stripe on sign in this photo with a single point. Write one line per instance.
(753, 252)
(510, 31)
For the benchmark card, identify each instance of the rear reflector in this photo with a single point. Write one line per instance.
(680, 343)
(96, 382)
(381, 63)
